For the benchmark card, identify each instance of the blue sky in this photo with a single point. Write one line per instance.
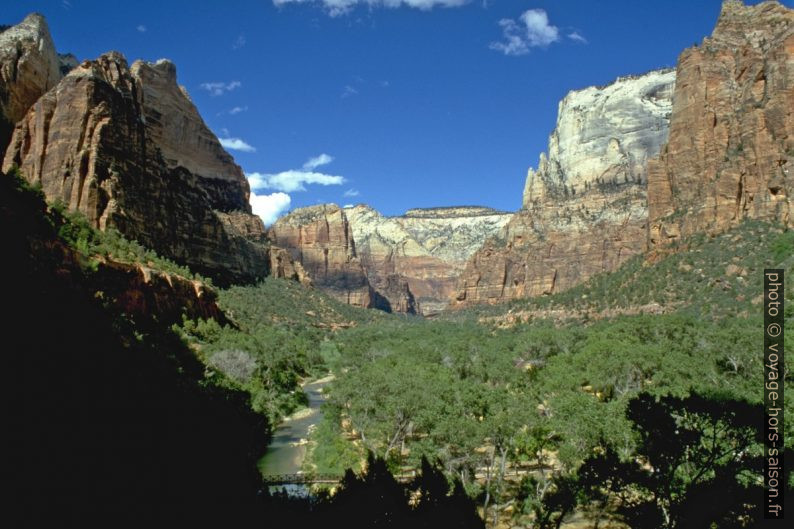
(395, 103)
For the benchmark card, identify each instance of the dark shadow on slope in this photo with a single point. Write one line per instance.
(106, 419)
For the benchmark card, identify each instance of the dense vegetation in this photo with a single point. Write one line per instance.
(279, 337)
(512, 406)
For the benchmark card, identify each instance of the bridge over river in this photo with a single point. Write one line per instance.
(300, 479)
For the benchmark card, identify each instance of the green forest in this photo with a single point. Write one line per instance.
(518, 404)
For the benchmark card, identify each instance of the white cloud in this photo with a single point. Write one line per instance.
(141, 28)
(351, 193)
(296, 179)
(293, 180)
(236, 144)
(317, 161)
(532, 29)
(346, 206)
(575, 35)
(514, 43)
(348, 91)
(239, 42)
(269, 207)
(219, 88)
(539, 31)
(341, 7)
(237, 110)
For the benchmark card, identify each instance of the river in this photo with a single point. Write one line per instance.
(287, 449)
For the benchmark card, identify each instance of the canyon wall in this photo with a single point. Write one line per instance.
(425, 248)
(127, 148)
(585, 206)
(320, 239)
(731, 145)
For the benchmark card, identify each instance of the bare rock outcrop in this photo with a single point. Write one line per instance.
(584, 208)
(128, 149)
(29, 66)
(283, 266)
(320, 239)
(426, 248)
(138, 290)
(731, 145)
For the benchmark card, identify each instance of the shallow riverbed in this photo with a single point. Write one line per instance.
(286, 451)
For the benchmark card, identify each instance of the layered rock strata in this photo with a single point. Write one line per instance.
(731, 145)
(127, 148)
(320, 239)
(425, 248)
(584, 207)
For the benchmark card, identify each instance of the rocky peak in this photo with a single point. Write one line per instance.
(584, 207)
(99, 142)
(756, 26)
(110, 68)
(603, 137)
(28, 67)
(175, 125)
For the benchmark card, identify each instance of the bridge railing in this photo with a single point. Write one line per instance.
(285, 479)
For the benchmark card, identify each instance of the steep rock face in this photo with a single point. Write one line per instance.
(320, 239)
(731, 145)
(585, 208)
(141, 291)
(174, 125)
(604, 136)
(29, 66)
(282, 266)
(101, 142)
(426, 248)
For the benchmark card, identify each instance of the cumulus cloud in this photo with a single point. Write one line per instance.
(351, 193)
(236, 144)
(269, 207)
(317, 161)
(297, 179)
(141, 28)
(217, 88)
(293, 180)
(237, 110)
(341, 7)
(576, 36)
(532, 29)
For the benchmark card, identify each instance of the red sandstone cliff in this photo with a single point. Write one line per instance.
(126, 147)
(320, 239)
(731, 146)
